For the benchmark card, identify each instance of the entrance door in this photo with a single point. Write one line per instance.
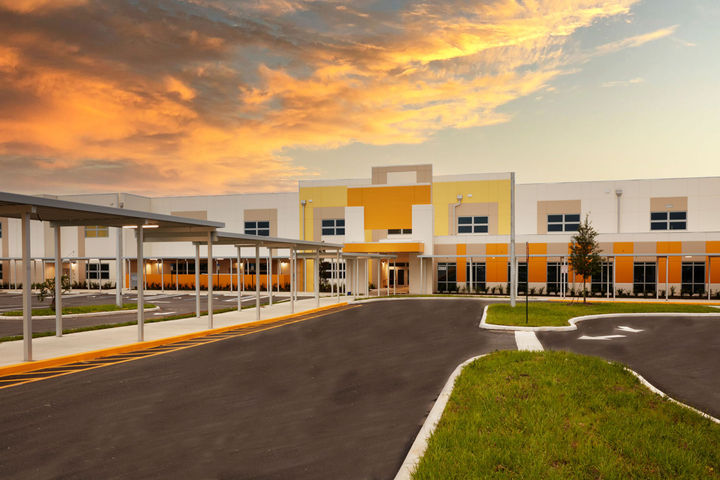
(401, 276)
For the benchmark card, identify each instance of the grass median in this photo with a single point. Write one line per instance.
(562, 415)
(553, 314)
(37, 312)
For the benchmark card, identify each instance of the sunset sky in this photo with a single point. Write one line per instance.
(216, 96)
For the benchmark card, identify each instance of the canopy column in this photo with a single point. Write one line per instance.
(197, 280)
(316, 275)
(211, 272)
(118, 264)
(257, 282)
(27, 288)
(58, 284)
(292, 280)
(270, 277)
(140, 285)
(239, 279)
(337, 275)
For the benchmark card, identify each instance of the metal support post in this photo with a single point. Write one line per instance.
(513, 263)
(422, 276)
(614, 276)
(292, 280)
(27, 289)
(118, 266)
(337, 264)
(177, 275)
(162, 275)
(58, 284)
(239, 291)
(211, 273)
(667, 278)
(395, 276)
(379, 264)
(316, 275)
(197, 280)
(270, 277)
(257, 282)
(140, 285)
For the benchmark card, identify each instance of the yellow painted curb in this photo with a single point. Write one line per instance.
(131, 347)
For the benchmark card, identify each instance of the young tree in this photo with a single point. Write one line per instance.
(47, 289)
(585, 253)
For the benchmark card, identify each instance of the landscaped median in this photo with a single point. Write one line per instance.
(562, 415)
(79, 310)
(553, 314)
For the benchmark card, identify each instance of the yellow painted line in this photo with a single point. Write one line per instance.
(622, 300)
(125, 360)
(106, 352)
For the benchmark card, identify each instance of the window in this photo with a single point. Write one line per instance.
(250, 267)
(184, 268)
(0, 230)
(569, 222)
(93, 231)
(472, 225)
(330, 269)
(555, 277)
(478, 276)
(400, 231)
(97, 271)
(333, 226)
(1, 274)
(668, 221)
(693, 278)
(602, 282)
(446, 274)
(644, 277)
(522, 276)
(261, 228)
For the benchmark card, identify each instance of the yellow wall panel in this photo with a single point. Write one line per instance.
(483, 191)
(335, 196)
(388, 207)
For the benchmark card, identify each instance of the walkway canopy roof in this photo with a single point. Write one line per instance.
(64, 213)
(243, 240)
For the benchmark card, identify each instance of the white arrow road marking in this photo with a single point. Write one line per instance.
(628, 329)
(601, 337)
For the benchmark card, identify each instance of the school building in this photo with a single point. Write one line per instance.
(440, 233)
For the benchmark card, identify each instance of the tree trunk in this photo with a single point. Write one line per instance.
(584, 291)
(52, 304)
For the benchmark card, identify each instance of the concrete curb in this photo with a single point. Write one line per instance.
(419, 446)
(575, 320)
(417, 450)
(78, 315)
(130, 347)
(388, 299)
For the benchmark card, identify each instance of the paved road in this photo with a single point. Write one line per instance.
(340, 396)
(680, 356)
(169, 304)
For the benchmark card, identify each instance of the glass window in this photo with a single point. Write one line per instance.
(603, 281)
(399, 231)
(446, 274)
(333, 226)
(96, 231)
(555, 277)
(693, 278)
(668, 220)
(569, 222)
(644, 277)
(97, 271)
(261, 228)
(472, 225)
(478, 275)
(522, 276)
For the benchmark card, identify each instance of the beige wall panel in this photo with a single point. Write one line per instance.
(445, 249)
(263, 214)
(693, 247)
(424, 173)
(668, 204)
(325, 213)
(5, 251)
(557, 249)
(476, 249)
(378, 235)
(554, 207)
(644, 247)
(489, 210)
(605, 247)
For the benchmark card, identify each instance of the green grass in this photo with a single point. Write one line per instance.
(80, 309)
(542, 314)
(561, 415)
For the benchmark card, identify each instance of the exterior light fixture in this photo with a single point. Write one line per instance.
(144, 226)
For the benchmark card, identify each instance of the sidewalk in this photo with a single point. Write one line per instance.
(44, 348)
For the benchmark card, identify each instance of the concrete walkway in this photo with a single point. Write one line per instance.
(44, 348)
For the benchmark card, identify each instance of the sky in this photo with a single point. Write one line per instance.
(170, 97)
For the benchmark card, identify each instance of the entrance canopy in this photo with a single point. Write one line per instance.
(61, 213)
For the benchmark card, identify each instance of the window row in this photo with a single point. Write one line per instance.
(261, 228)
(333, 226)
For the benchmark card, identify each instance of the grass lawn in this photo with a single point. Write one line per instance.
(81, 309)
(562, 415)
(552, 314)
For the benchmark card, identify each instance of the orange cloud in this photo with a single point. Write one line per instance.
(157, 101)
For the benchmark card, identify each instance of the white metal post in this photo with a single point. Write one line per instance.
(239, 290)
(118, 266)
(231, 274)
(140, 285)
(197, 280)
(162, 275)
(395, 276)
(337, 276)
(357, 277)
(292, 280)
(270, 277)
(211, 265)
(316, 274)
(470, 267)
(422, 275)
(177, 275)
(257, 282)
(513, 268)
(379, 261)
(27, 289)
(667, 278)
(709, 269)
(614, 276)
(58, 284)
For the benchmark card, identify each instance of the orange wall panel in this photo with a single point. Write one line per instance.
(461, 249)
(623, 265)
(388, 207)
(496, 268)
(537, 266)
(674, 267)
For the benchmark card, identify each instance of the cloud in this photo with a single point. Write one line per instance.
(623, 83)
(206, 95)
(635, 41)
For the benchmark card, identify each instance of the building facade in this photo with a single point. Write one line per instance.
(446, 234)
